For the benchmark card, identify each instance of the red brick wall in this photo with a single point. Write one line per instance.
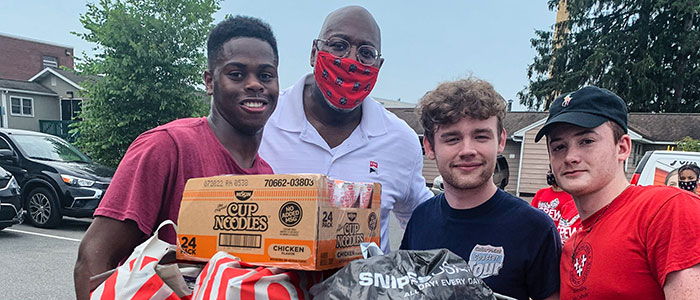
(22, 59)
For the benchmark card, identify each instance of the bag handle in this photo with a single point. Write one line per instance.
(154, 247)
(151, 245)
(164, 223)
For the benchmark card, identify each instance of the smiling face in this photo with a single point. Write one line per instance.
(466, 152)
(244, 84)
(584, 160)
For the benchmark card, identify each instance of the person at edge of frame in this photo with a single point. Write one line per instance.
(148, 185)
(636, 242)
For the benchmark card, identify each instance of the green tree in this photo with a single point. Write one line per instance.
(148, 70)
(688, 144)
(646, 51)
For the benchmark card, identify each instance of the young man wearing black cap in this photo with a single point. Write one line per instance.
(636, 242)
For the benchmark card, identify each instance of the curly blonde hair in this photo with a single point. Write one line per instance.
(452, 101)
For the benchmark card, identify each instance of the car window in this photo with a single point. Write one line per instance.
(4, 144)
(49, 148)
(661, 165)
(503, 163)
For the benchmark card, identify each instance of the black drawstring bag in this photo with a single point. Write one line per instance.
(405, 274)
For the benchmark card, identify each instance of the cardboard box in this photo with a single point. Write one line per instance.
(287, 221)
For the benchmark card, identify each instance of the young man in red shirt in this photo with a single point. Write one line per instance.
(147, 187)
(635, 242)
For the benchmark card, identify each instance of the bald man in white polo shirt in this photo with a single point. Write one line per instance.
(326, 122)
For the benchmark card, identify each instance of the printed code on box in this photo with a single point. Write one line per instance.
(240, 240)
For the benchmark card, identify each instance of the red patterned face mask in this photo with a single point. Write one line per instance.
(344, 82)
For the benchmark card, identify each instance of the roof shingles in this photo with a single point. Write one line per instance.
(24, 86)
(666, 127)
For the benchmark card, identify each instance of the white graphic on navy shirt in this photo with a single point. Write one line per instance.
(486, 260)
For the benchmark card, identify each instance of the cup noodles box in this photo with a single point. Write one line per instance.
(297, 221)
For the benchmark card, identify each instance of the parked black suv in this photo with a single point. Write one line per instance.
(56, 179)
(11, 212)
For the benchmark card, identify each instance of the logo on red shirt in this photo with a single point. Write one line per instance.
(582, 260)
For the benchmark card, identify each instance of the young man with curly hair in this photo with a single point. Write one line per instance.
(512, 246)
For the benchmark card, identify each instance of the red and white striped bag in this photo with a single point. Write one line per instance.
(226, 277)
(137, 277)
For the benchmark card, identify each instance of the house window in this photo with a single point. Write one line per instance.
(638, 154)
(22, 106)
(70, 108)
(49, 61)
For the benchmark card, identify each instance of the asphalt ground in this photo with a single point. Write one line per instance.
(37, 264)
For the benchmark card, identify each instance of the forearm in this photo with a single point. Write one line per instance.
(99, 251)
(81, 280)
(84, 270)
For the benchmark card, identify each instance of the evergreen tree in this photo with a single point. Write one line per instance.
(646, 51)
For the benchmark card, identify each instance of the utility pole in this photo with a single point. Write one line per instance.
(561, 29)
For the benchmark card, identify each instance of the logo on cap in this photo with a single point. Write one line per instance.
(567, 99)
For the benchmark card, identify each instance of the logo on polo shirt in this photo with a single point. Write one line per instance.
(373, 166)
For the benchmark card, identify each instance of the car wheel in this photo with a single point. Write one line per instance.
(42, 208)
(503, 184)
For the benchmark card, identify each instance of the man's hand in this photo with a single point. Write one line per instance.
(106, 242)
(683, 284)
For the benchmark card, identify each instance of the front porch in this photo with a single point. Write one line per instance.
(58, 128)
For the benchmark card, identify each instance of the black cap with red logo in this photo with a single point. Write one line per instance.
(588, 107)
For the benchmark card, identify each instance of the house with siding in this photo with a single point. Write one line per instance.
(529, 161)
(38, 89)
(47, 102)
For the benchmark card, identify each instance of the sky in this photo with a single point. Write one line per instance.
(423, 42)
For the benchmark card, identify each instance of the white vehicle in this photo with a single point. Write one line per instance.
(655, 166)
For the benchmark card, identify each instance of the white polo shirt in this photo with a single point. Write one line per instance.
(291, 144)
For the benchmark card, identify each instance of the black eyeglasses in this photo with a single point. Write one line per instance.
(366, 54)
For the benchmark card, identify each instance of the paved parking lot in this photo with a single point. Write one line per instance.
(37, 264)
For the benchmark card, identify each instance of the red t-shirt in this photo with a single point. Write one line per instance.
(551, 202)
(148, 184)
(569, 222)
(645, 234)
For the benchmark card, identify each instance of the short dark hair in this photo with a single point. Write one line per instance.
(690, 167)
(238, 27)
(617, 130)
(452, 101)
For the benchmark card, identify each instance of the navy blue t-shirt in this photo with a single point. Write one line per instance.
(511, 245)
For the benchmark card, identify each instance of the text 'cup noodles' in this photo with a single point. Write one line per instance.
(350, 194)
